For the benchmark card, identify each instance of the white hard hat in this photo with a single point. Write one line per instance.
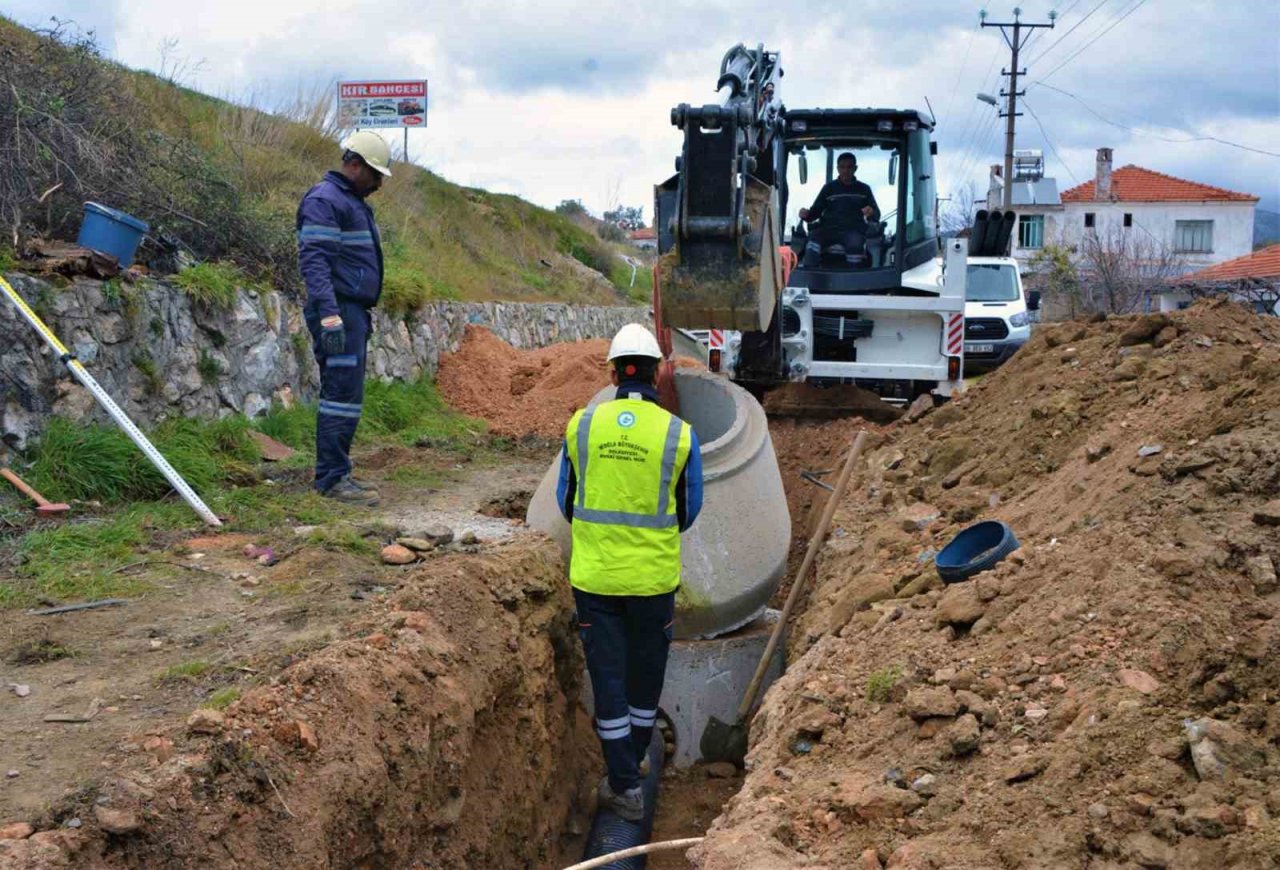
(372, 148)
(634, 340)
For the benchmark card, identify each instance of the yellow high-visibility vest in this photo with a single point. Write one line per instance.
(627, 457)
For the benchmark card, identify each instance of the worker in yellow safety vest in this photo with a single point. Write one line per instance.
(630, 483)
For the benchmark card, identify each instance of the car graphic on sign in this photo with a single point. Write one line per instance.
(409, 107)
(380, 110)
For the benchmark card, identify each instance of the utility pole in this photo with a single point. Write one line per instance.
(1016, 42)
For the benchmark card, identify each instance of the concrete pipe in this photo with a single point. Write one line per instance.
(736, 553)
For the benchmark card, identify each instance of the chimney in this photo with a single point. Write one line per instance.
(1102, 182)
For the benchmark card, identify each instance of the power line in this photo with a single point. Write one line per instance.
(1049, 141)
(981, 133)
(1139, 132)
(972, 122)
(1058, 41)
(1063, 14)
(951, 100)
(1095, 38)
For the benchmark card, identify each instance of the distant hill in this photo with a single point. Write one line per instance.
(1266, 227)
(223, 182)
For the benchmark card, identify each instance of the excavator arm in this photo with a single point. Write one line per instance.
(718, 222)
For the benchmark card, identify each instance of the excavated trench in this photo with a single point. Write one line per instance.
(445, 730)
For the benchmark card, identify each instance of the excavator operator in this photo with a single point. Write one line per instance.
(844, 205)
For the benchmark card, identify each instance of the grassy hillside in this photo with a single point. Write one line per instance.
(223, 181)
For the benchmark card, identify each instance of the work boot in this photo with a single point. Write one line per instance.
(347, 492)
(363, 484)
(629, 805)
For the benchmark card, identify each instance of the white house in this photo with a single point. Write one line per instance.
(1200, 224)
(1034, 198)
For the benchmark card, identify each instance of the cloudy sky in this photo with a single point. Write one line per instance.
(564, 99)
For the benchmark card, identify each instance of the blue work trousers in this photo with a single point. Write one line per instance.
(341, 393)
(626, 639)
(853, 241)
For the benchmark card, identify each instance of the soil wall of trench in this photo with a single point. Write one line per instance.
(443, 731)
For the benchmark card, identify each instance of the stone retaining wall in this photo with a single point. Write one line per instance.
(159, 354)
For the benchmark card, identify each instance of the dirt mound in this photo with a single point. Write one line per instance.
(445, 730)
(522, 392)
(1106, 696)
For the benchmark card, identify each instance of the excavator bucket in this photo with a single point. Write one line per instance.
(713, 280)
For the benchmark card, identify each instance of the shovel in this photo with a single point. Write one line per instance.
(43, 505)
(723, 741)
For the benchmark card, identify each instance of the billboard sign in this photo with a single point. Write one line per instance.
(382, 104)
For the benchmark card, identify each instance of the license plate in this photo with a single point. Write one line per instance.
(979, 348)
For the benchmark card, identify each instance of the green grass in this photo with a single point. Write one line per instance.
(40, 650)
(409, 412)
(344, 539)
(417, 476)
(213, 285)
(78, 561)
(222, 699)
(396, 412)
(188, 671)
(209, 368)
(294, 426)
(880, 684)
(73, 461)
(150, 372)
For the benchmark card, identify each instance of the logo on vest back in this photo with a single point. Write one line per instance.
(626, 419)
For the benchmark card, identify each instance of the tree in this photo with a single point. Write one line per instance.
(571, 208)
(1052, 272)
(1122, 269)
(963, 205)
(625, 217)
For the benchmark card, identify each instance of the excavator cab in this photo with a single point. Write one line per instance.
(894, 158)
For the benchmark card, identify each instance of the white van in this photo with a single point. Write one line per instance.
(997, 318)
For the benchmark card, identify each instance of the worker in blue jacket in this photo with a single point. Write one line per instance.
(340, 255)
(630, 484)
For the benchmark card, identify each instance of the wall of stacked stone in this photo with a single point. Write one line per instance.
(159, 354)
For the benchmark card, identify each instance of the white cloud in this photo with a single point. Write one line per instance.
(556, 100)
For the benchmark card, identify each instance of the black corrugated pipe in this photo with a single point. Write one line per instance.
(1000, 246)
(612, 833)
(978, 233)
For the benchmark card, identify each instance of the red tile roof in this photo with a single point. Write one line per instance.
(1135, 184)
(644, 233)
(1264, 263)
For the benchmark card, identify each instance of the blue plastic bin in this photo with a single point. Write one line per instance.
(112, 232)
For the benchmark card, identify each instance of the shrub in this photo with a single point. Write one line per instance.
(208, 366)
(213, 285)
(880, 684)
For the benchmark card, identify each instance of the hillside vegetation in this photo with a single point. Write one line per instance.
(222, 181)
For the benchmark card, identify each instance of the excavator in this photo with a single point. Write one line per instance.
(882, 311)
